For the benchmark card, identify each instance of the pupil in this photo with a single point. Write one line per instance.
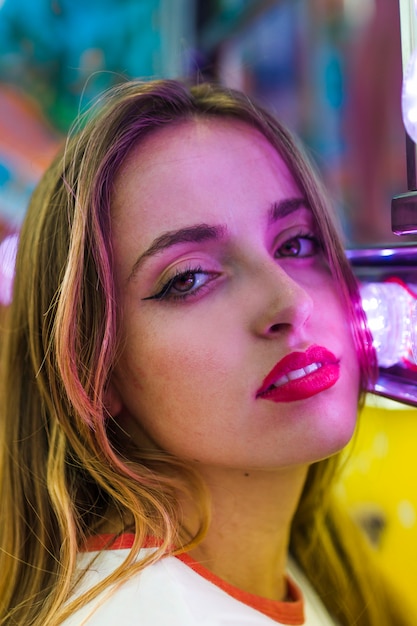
(293, 247)
(184, 283)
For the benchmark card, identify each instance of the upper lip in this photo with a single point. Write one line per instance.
(295, 361)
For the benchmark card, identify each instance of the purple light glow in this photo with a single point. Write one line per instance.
(391, 310)
(8, 249)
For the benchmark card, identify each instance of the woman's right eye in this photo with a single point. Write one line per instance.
(184, 285)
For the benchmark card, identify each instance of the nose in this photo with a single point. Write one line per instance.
(284, 305)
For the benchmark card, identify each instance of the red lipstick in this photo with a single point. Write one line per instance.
(300, 375)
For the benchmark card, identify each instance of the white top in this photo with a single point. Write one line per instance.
(171, 593)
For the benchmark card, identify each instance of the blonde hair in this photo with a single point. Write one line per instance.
(63, 467)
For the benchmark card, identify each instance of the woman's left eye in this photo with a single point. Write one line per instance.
(184, 285)
(299, 246)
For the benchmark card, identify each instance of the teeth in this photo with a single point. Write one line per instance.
(296, 374)
(281, 381)
(303, 371)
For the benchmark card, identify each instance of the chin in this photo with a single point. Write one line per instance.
(333, 437)
(337, 443)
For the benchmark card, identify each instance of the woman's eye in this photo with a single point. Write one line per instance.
(300, 246)
(183, 285)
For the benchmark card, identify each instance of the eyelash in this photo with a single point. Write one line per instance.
(164, 293)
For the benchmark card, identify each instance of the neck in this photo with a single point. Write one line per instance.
(247, 542)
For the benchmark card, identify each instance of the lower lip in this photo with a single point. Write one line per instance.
(305, 387)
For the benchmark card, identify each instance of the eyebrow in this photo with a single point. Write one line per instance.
(285, 207)
(190, 234)
(206, 232)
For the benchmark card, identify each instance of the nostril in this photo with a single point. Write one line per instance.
(279, 328)
(275, 328)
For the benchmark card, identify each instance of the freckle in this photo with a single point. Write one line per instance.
(246, 474)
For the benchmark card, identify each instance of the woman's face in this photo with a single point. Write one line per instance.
(236, 351)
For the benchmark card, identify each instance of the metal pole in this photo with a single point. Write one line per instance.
(408, 25)
(404, 207)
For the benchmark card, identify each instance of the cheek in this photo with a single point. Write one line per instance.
(170, 397)
(182, 348)
(333, 324)
(174, 373)
(183, 381)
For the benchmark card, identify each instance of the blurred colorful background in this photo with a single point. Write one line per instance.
(317, 63)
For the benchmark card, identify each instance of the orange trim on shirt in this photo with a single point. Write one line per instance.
(291, 612)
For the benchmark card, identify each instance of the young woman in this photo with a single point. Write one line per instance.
(183, 363)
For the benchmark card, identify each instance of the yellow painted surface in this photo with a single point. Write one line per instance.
(380, 483)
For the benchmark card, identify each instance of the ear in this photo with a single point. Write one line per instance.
(112, 400)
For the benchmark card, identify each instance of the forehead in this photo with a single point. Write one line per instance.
(196, 138)
(179, 166)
